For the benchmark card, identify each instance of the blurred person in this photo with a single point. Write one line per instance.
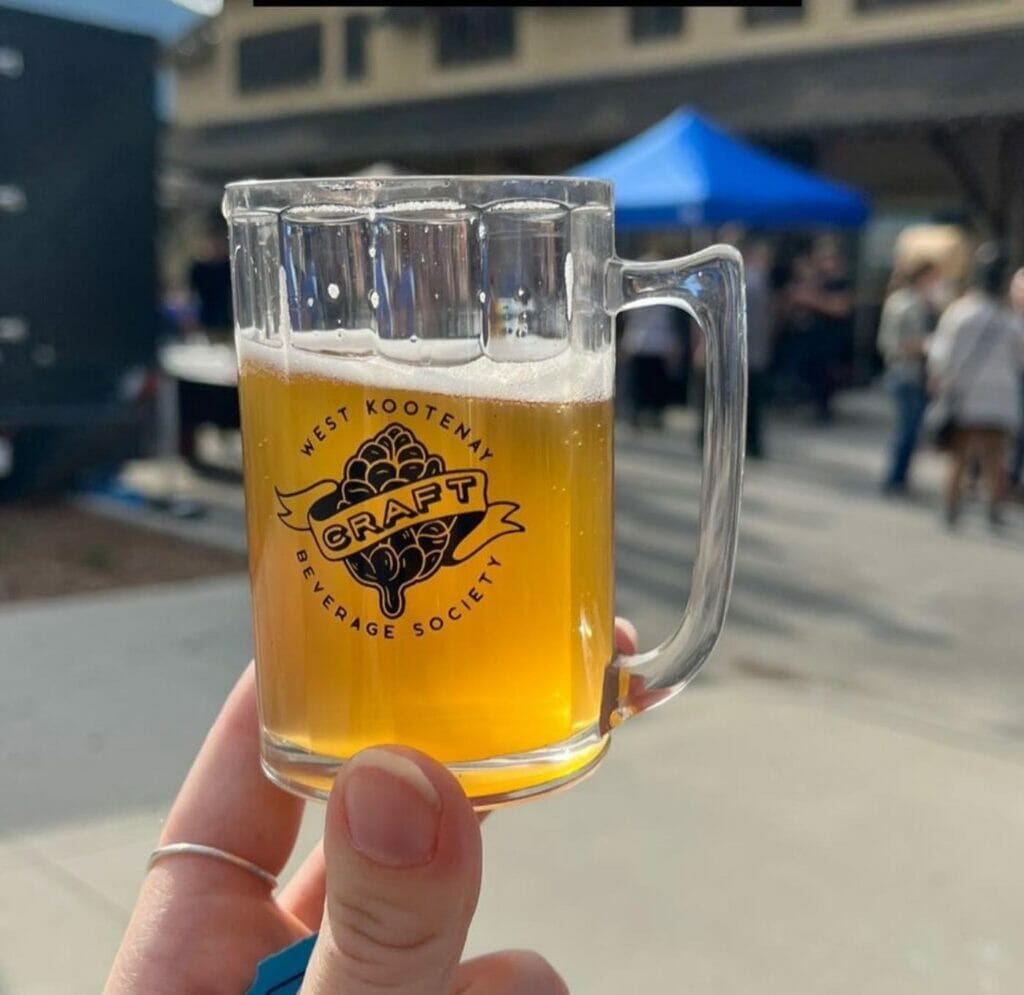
(825, 291)
(178, 315)
(975, 358)
(836, 304)
(391, 889)
(760, 327)
(1016, 467)
(205, 395)
(792, 281)
(652, 349)
(209, 279)
(906, 324)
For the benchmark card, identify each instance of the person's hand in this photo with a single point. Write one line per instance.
(391, 889)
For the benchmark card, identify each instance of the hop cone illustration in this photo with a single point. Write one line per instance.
(391, 459)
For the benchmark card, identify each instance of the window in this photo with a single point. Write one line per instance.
(356, 29)
(475, 34)
(279, 58)
(895, 4)
(756, 17)
(651, 23)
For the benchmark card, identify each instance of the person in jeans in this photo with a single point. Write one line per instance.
(816, 306)
(902, 338)
(977, 354)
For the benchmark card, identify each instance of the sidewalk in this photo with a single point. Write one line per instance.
(742, 839)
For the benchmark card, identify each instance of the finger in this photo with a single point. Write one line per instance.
(509, 972)
(304, 894)
(228, 803)
(198, 917)
(626, 640)
(627, 643)
(403, 874)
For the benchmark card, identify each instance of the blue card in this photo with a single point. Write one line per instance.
(282, 973)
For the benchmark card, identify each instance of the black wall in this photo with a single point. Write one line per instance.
(77, 263)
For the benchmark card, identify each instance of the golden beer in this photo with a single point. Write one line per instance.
(428, 568)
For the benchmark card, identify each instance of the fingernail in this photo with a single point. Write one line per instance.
(391, 808)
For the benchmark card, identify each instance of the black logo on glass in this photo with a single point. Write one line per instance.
(398, 515)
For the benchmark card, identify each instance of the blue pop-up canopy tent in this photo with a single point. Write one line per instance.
(687, 171)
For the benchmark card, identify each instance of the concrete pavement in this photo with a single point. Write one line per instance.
(833, 807)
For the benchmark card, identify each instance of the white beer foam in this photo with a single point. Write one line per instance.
(527, 206)
(572, 375)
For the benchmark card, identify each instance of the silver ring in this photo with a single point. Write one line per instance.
(211, 851)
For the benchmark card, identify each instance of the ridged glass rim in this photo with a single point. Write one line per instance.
(379, 192)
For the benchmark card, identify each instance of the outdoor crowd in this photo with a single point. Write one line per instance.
(800, 324)
(958, 368)
(953, 358)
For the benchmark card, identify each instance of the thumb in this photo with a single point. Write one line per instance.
(402, 847)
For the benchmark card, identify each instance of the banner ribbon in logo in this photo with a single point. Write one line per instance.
(355, 528)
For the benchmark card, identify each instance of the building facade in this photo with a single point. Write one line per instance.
(920, 102)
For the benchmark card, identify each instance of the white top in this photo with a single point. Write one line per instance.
(904, 321)
(986, 383)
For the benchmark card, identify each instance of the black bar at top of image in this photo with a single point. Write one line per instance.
(705, 3)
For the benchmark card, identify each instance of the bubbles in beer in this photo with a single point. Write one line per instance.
(374, 298)
(333, 291)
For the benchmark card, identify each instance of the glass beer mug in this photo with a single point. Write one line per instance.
(426, 369)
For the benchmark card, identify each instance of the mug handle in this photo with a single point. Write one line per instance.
(709, 287)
